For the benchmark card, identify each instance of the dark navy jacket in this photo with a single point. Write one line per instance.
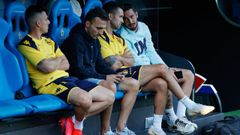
(83, 54)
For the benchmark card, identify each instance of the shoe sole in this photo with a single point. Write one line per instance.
(151, 133)
(183, 133)
(208, 111)
(202, 113)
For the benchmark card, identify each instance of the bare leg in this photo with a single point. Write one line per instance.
(131, 87)
(107, 113)
(82, 101)
(102, 98)
(159, 86)
(186, 83)
(149, 72)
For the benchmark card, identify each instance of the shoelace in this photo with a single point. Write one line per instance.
(180, 123)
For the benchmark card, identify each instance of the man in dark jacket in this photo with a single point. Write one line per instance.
(83, 52)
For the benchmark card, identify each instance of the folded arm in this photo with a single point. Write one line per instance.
(51, 64)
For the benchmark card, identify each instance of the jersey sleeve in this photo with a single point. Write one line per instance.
(31, 52)
(105, 48)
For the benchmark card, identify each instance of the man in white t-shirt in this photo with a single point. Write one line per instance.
(138, 39)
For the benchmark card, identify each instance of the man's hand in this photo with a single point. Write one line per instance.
(115, 78)
(127, 53)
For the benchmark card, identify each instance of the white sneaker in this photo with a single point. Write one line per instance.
(154, 131)
(188, 121)
(200, 109)
(109, 133)
(125, 131)
(182, 126)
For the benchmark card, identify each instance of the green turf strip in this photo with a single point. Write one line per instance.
(233, 113)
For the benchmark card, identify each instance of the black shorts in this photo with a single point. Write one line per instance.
(62, 86)
(133, 72)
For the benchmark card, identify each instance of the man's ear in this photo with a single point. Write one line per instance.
(37, 23)
(110, 16)
(136, 14)
(87, 23)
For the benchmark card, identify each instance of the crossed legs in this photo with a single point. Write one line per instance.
(90, 103)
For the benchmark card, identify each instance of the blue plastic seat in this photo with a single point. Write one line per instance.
(90, 4)
(62, 20)
(15, 16)
(10, 79)
(119, 95)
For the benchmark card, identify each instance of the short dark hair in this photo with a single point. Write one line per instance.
(111, 7)
(31, 11)
(128, 6)
(96, 12)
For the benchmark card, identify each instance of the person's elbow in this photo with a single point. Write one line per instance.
(47, 69)
(66, 66)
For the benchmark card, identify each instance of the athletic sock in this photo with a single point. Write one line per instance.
(157, 121)
(77, 124)
(171, 116)
(188, 103)
(181, 110)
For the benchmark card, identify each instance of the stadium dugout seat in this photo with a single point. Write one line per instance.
(62, 20)
(10, 79)
(17, 77)
(15, 17)
(90, 4)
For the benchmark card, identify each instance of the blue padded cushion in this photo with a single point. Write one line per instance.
(8, 106)
(5, 93)
(13, 108)
(9, 62)
(119, 95)
(141, 94)
(90, 4)
(15, 17)
(45, 103)
(62, 20)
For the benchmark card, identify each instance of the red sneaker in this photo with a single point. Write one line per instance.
(67, 125)
(77, 132)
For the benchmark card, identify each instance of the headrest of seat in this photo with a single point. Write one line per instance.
(62, 20)
(61, 7)
(15, 17)
(90, 4)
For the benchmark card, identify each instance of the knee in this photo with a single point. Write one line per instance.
(110, 97)
(110, 85)
(133, 86)
(163, 69)
(189, 75)
(161, 85)
(84, 101)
